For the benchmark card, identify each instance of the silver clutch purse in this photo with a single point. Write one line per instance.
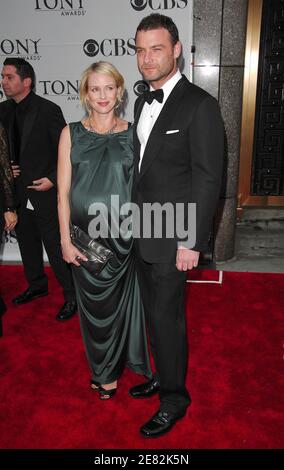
(97, 254)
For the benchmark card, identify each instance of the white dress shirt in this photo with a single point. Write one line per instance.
(150, 113)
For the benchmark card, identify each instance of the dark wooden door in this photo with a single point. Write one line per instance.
(268, 147)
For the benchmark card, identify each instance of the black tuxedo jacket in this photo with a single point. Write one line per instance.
(184, 166)
(39, 146)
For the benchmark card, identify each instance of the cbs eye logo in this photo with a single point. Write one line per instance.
(140, 87)
(138, 5)
(91, 47)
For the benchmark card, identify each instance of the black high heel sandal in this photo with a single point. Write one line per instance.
(106, 394)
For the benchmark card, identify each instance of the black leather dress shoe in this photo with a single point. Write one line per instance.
(145, 390)
(159, 424)
(28, 296)
(67, 311)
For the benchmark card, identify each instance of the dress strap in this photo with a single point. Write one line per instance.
(73, 128)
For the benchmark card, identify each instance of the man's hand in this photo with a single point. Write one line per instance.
(186, 259)
(43, 184)
(16, 170)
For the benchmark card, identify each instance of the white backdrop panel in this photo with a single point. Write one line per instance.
(61, 38)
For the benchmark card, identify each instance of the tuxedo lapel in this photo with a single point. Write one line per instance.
(29, 122)
(156, 137)
(136, 141)
(136, 119)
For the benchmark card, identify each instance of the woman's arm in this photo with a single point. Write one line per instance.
(64, 173)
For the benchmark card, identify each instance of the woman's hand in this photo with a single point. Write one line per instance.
(16, 170)
(71, 254)
(11, 220)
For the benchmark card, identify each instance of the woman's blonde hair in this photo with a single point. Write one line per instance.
(108, 69)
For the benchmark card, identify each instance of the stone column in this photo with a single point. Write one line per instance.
(219, 38)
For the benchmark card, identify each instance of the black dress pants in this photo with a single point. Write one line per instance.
(34, 228)
(163, 293)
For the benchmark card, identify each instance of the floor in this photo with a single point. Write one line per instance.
(259, 243)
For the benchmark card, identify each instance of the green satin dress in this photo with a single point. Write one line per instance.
(110, 307)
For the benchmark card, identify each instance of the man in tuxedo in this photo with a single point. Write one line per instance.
(178, 142)
(33, 125)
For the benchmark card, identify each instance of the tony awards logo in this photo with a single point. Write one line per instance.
(64, 88)
(65, 7)
(25, 48)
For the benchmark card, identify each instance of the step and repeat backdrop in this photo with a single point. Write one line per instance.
(61, 38)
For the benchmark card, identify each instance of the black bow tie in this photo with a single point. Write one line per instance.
(154, 95)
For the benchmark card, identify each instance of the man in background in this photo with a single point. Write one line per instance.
(33, 125)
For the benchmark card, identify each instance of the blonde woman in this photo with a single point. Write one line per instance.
(96, 163)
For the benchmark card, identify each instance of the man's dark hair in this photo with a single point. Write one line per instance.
(157, 21)
(23, 68)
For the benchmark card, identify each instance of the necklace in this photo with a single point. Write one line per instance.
(109, 131)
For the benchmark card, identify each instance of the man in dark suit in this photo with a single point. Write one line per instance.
(33, 125)
(178, 141)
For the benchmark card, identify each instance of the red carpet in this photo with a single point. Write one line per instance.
(235, 373)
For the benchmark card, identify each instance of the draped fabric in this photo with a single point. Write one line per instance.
(110, 307)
